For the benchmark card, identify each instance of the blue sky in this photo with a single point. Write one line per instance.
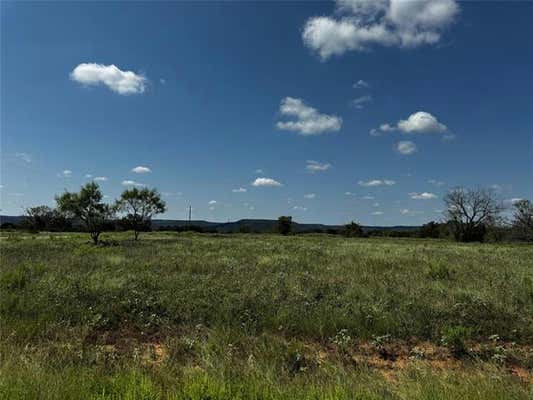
(347, 111)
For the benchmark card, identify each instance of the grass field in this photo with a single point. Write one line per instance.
(189, 316)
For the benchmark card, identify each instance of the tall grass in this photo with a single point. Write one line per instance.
(257, 316)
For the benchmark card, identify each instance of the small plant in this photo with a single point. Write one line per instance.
(341, 339)
(380, 341)
(455, 338)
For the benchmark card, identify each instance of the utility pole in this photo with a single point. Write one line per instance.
(190, 209)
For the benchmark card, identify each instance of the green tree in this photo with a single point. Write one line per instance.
(353, 229)
(284, 225)
(140, 205)
(87, 206)
(431, 229)
(41, 218)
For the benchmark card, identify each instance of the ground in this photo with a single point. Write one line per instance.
(191, 316)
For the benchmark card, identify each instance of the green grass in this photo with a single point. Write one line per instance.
(190, 316)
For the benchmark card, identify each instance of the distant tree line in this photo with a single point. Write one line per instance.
(473, 215)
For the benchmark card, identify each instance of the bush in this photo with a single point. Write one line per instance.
(353, 229)
(285, 225)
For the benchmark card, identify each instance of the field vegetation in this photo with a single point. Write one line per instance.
(244, 316)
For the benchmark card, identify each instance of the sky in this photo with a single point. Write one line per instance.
(325, 111)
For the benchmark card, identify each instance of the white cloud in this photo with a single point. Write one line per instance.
(121, 82)
(418, 122)
(88, 176)
(421, 122)
(315, 166)
(377, 182)
(361, 101)
(406, 147)
(129, 182)
(349, 194)
(259, 171)
(24, 157)
(448, 137)
(423, 196)
(266, 182)
(377, 213)
(368, 197)
(361, 24)
(410, 213)
(308, 120)
(212, 202)
(141, 170)
(67, 173)
(299, 208)
(100, 178)
(309, 196)
(511, 202)
(361, 84)
(383, 128)
(239, 190)
(375, 205)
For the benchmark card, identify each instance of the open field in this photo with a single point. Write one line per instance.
(189, 316)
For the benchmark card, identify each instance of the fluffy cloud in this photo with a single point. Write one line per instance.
(100, 178)
(309, 196)
(141, 170)
(377, 182)
(315, 166)
(24, 157)
(421, 122)
(212, 202)
(406, 147)
(377, 213)
(128, 182)
(266, 182)
(361, 101)
(121, 82)
(418, 122)
(362, 24)
(423, 196)
(308, 121)
(66, 173)
(299, 208)
(361, 84)
(239, 190)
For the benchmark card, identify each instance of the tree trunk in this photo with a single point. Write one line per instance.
(136, 234)
(94, 237)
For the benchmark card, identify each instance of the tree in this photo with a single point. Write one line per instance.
(140, 205)
(523, 219)
(284, 225)
(353, 229)
(430, 230)
(470, 212)
(41, 218)
(88, 207)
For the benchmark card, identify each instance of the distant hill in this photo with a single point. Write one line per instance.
(250, 225)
